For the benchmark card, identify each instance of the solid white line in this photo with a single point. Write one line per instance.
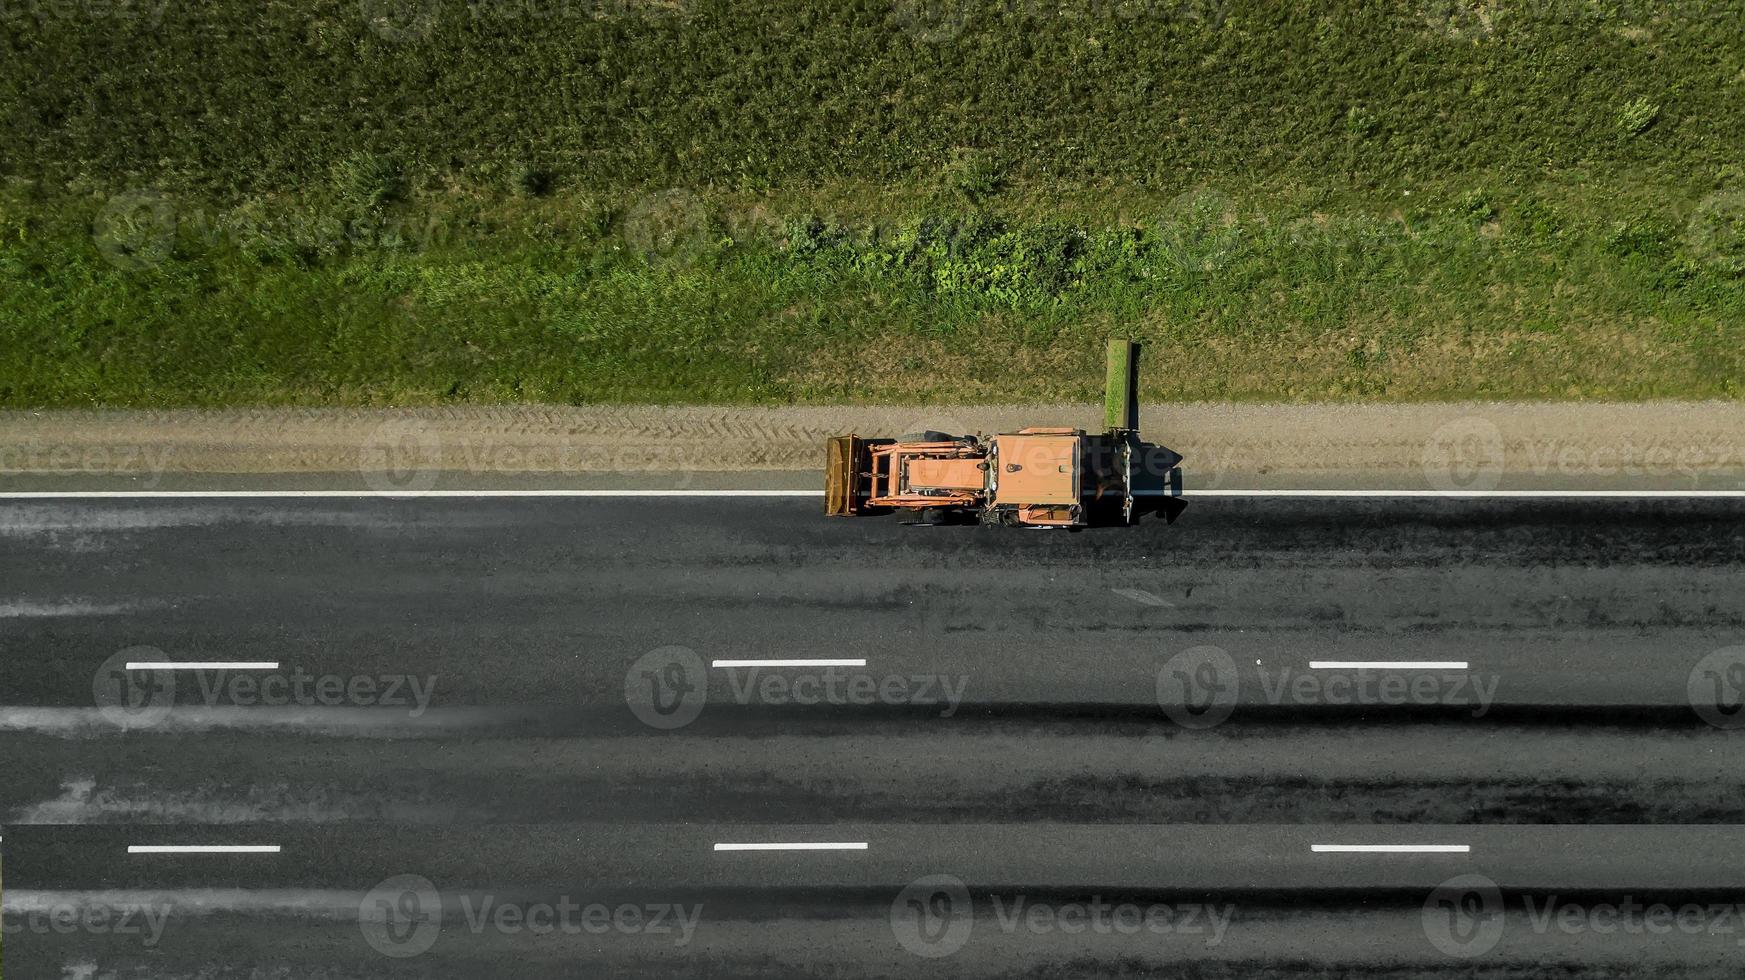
(386, 494)
(1387, 665)
(1391, 848)
(202, 848)
(787, 663)
(856, 846)
(607, 494)
(1478, 494)
(199, 665)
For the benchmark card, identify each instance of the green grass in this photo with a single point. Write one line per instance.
(221, 97)
(872, 200)
(747, 299)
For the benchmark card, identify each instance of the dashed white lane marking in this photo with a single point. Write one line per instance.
(787, 663)
(202, 848)
(1391, 848)
(1387, 665)
(787, 846)
(414, 494)
(202, 665)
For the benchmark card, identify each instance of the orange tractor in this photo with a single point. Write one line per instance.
(1035, 477)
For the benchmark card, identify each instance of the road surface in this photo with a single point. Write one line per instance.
(1041, 739)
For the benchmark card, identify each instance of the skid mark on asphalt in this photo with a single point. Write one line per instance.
(66, 607)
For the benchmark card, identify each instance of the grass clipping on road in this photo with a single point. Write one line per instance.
(722, 201)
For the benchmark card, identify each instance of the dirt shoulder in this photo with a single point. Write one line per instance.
(1475, 445)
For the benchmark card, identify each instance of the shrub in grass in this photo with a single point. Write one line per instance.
(974, 177)
(1636, 116)
(367, 181)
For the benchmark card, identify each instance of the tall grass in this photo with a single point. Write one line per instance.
(397, 201)
(217, 97)
(694, 297)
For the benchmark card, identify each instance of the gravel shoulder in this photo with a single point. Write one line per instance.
(1444, 446)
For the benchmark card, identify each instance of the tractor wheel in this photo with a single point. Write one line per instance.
(928, 436)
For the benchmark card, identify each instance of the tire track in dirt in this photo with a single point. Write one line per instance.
(1469, 445)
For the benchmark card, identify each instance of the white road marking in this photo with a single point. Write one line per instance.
(202, 665)
(1476, 494)
(414, 494)
(202, 848)
(850, 846)
(1391, 848)
(388, 494)
(1388, 665)
(787, 663)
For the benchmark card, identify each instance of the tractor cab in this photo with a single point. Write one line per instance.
(1047, 477)
(1034, 476)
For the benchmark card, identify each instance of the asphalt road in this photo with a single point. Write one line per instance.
(519, 703)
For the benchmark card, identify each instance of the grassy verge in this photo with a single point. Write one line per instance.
(1422, 292)
(420, 201)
